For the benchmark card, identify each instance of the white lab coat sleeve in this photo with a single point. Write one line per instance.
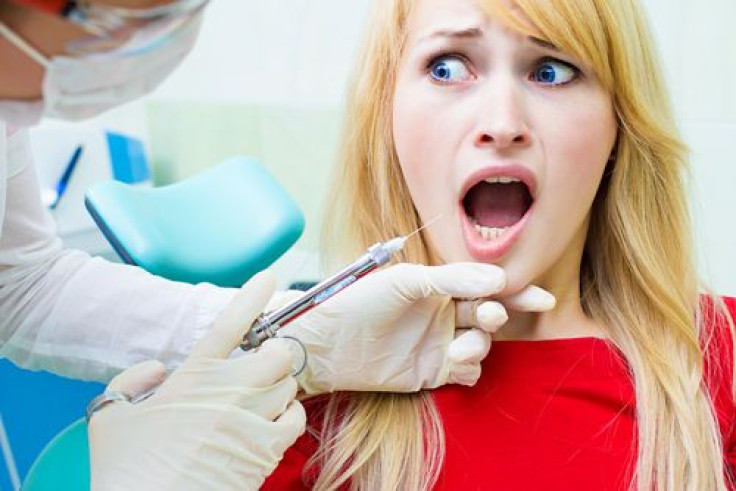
(79, 316)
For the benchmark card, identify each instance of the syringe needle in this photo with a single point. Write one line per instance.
(431, 222)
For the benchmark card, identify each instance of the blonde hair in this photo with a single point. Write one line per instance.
(637, 276)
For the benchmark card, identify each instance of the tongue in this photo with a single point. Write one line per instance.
(497, 205)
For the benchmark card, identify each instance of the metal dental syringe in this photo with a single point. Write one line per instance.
(267, 325)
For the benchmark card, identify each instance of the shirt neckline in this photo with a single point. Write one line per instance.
(550, 359)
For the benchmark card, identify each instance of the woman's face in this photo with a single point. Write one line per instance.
(505, 137)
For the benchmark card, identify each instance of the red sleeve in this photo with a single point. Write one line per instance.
(719, 368)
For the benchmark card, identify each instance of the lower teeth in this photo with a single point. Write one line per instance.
(490, 233)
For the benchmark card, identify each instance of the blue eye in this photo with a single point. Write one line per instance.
(448, 69)
(554, 72)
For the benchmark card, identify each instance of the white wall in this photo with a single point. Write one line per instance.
(698, 46)
(283, 52)
(299, 52)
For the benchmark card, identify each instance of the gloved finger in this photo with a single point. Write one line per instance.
(138, 378)
(236, 318)
(485, 314)
(462, 280)
(297, 351)
(274, 437)
(530, 299)
(293, 422)
(466, 374)
(269, 402)
(470, 346)
(270, 363)
(490, 316)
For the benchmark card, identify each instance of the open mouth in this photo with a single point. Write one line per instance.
(497, 203)
(496, 208)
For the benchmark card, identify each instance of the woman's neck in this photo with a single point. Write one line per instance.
(567, 319)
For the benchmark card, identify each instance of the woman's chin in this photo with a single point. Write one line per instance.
(518, 277)
(519, 274)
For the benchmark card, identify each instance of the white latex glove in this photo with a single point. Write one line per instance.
(396, 329)
(215, 423)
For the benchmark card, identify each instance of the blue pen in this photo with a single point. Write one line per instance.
(64, 179)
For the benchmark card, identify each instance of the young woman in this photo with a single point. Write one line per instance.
(541, 132)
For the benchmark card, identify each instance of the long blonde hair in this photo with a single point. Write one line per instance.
(637, 277)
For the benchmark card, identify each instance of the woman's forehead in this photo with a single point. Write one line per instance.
(429, 16)
(437, 17)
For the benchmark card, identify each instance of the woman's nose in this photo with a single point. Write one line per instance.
(502, 118)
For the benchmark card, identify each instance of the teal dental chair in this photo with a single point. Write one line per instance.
(63, 465)
(221, 226)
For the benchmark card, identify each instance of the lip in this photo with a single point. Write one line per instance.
(520, 172)
(485, 250)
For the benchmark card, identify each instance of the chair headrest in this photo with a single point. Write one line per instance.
(221, 226)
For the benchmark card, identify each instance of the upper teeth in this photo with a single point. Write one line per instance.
(502, 180)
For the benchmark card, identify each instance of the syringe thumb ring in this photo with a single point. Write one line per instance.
(247, 345)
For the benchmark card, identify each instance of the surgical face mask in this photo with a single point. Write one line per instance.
(79, 87)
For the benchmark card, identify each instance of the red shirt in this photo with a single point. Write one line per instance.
(545, 415)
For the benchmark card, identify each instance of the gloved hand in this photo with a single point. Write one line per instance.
(398, 329)
(215, 423)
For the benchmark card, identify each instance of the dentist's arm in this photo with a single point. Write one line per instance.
(79, 316)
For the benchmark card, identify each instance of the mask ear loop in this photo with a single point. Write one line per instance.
(24, 46)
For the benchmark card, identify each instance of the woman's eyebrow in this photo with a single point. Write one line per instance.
(471, 32)
(542, 43)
